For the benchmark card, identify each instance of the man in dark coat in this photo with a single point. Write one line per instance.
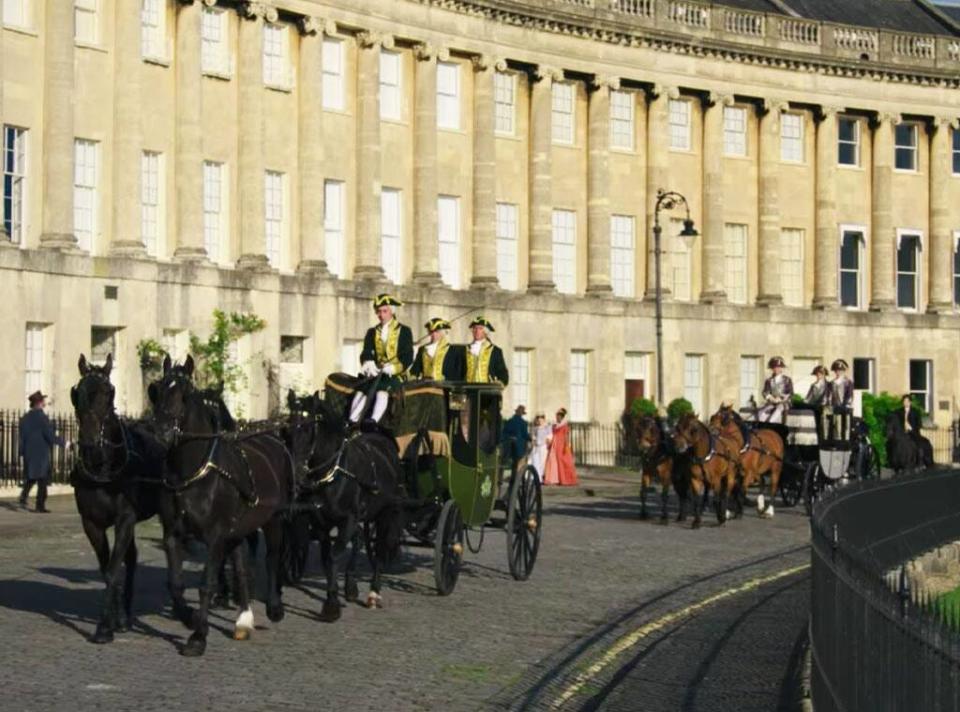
(516, 436)
(485, 362)
(36, 438)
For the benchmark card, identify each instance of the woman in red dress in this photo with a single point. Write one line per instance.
(560, 469)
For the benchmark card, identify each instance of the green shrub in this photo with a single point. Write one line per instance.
(797, 399)
(876, 410)
(643, 407)
(677, 408)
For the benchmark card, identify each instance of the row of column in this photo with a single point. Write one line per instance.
(58, 137)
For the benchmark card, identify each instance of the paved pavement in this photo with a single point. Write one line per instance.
(619, 614)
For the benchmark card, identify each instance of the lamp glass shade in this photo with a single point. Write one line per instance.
(689, 233)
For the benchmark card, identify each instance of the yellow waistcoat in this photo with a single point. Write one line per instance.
(387, 352)
(433, 365)
(478, 367)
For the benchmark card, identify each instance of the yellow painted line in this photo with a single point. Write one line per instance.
(631, 639)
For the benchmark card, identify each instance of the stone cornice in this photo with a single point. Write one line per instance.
(555, 20)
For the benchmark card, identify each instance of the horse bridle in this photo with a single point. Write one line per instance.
(103, 443)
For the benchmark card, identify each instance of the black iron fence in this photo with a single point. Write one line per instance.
(875, 646)
(11, 464)
(602, 445)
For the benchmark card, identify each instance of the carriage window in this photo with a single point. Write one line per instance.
(489, 423)
(921, 382)
(908, 276)
(851, 251)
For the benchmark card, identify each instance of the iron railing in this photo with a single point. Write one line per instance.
(875, 646)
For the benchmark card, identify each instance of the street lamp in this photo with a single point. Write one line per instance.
(667, 200)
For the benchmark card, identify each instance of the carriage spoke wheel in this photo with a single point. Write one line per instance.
(294, 550)
(791, 488)
(524, 523)
(810, 492)
(448, 548)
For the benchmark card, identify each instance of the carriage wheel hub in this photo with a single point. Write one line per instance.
(457, 548)
(532, 524)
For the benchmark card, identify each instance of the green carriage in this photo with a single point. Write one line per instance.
(458, 482)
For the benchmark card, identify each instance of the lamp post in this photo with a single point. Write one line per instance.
(666, 200)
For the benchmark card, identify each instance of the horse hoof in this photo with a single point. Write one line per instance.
(241, 634)
(124, 625)
(275, 613)
(352, 593)
(330, 612)
(374, 600)
(195, 647)
(102, 636)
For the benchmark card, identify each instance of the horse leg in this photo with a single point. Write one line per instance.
(664, 497)
(644, 483)
(244, 625)
(697, 489)
(775, 471)
(197, 643)
(331, 606)
(174, 553)
(721, 504)
(273, 534)
(351, 591)
(101, 547)
(683, 494)
(122, 539)
(130, 571)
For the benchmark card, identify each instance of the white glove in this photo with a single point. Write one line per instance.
(388, 369)
(368, 368)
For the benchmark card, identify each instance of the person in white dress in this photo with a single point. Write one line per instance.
(541, 440)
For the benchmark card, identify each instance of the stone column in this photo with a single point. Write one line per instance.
(827, 242)
(883, 235)
(57, 223)
(541, 179)
(310, 158)
(769, 289)
(658, 142)
(250, 80)
(712, 260)
(484, 174)
(369, 187)
(127, 139)
(189, 143)
(598, 185)
(941, 242)
(426, 248)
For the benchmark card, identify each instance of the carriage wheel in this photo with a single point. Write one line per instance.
(294, 549)
(448, 548)
(811, 487)
(867, 466)
(524, 523)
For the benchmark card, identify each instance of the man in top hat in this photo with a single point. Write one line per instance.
(840, 400)
(37, 436)
(438, 359)
(387, 354)
(485, 362)
(777, 392)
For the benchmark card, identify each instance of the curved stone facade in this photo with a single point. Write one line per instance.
(474, 143)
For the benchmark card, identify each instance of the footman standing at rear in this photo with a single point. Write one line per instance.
(485, 362)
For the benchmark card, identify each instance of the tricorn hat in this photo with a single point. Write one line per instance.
(482, 321)
(386, 300)
(839, 365)
(776, 361)
(36, 397)
(818, 369)
(436, 324)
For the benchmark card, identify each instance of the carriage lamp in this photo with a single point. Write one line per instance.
(667, 200)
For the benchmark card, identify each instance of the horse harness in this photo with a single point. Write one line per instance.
(103, 443)
(713, 452)
(333, 469)
(248, 495)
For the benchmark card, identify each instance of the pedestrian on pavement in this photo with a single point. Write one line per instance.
(37, 436)
(516, 436)
(560, 469)
(542, 431)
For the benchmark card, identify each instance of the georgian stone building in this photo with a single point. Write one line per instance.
(293, 157)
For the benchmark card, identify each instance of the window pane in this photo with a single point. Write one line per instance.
(863, 374)
(847, 130)
(907, 254)
(679, 124)
(906, 291)
(850, 250)
(918, 375)
(503, 87)
(849, 289)
(562, 114)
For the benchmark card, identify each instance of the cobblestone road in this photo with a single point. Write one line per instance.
(602, 576)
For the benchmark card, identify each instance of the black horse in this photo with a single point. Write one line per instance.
(350, 479)
(116, 483)
(906, 451)
(219, 487)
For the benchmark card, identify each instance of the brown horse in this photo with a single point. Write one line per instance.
(656, 457)
(713, 464)
(760, 453)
